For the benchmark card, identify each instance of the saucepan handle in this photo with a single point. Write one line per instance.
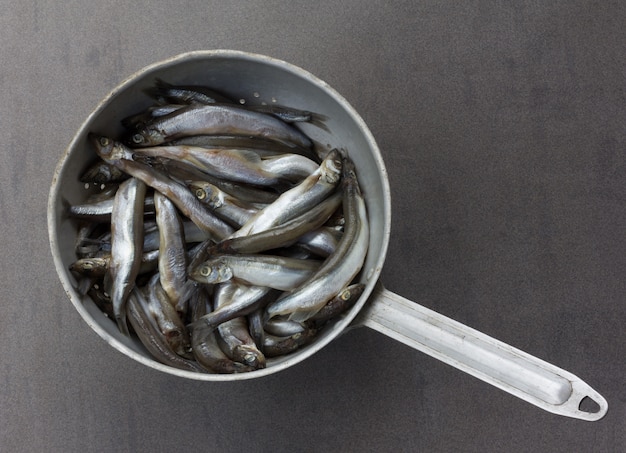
(527, 377)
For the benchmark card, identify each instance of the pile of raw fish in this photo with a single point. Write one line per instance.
(220, 234)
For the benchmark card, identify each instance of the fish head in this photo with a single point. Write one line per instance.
(143, 137)
(249, 355)
(331, 167)
(212, 271)
(349, 174)
(91, 267)
(207, 193)
(108, 149)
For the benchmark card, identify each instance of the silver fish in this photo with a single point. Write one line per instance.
(172, 249)
(274, 346)
(239, 345)
(126, 246)
(217, 120)
(234, 333)
(276, 272)
(98, 266)
(167, 318)
(103, 173)
(238, 165)
(338, 304)
(299, 199)
(255, 325)
(149, 335)
(204, 341)
(100, 211)
(340, 268)
(164, 92)
(303, 228)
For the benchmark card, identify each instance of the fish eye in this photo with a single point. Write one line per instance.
(104, 141)
(205, 271)
(200, 194)
(137, 138)
(345, 295)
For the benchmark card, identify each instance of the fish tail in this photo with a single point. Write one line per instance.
(159, 91)
(120, 318)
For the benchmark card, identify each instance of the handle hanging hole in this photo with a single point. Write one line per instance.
(588, 405)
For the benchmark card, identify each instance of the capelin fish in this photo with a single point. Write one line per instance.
(306, 224)
(121, 156)
(234, 334)
(276, 272)
(166, 93)
(204, 342)
(299, 199)
(102, 173)
(146, 329)
(275, 346)
(287, 114)
(227, 207)
(167, 318)
(126, 246)
(255, 325)
(98, 266)
(100, 211)
(340, 268)
(239, 345)
(237, 165)
(338, 304)
(172, 249)
(216, 120)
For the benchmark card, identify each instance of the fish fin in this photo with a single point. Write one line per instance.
(158, 92)
(121, 323)
(302, 315)
(318, 121)
(249, 155)
(66, 207)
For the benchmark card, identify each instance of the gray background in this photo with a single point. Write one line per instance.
(502, 127)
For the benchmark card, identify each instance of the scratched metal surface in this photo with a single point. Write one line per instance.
(503, 131)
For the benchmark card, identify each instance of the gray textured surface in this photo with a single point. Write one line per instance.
(503, 129)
